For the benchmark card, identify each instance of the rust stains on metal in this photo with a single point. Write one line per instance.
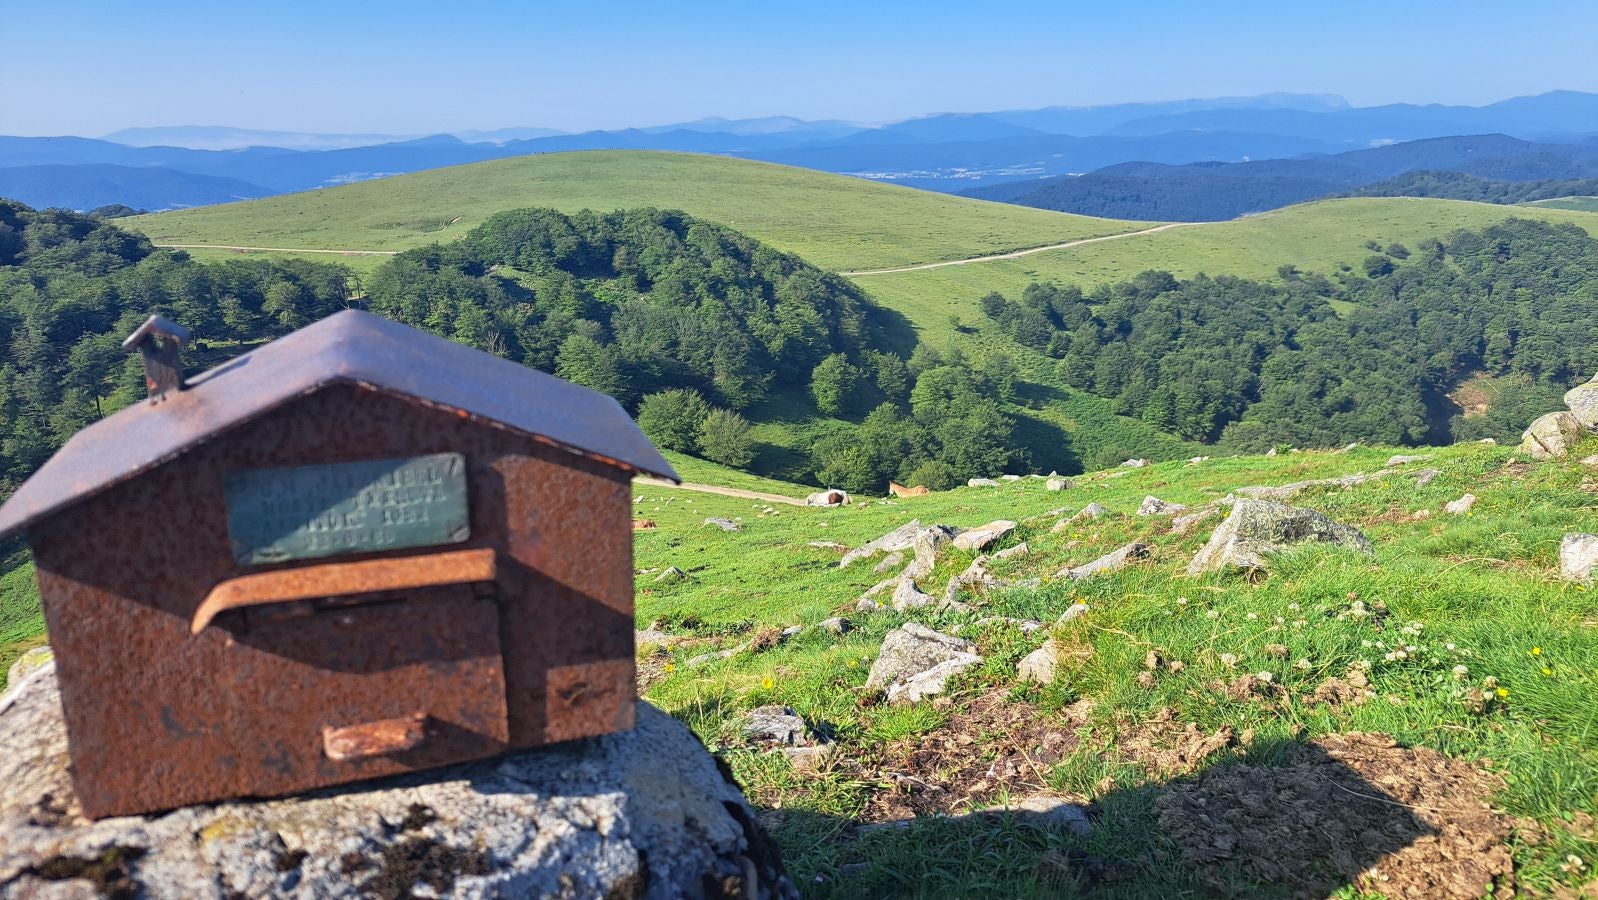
(352, 348)
(368, 739)
(349, 579)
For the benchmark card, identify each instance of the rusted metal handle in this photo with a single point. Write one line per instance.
(342, 579)
(368, 739)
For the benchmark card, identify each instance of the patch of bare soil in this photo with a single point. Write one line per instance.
(1352, 809)
(1167, 747)
(992, 747)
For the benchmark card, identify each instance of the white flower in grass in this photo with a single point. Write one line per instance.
(1213, 614)
(1266, 677)
(1253, 616)
(1302, 665)
(1228, 659)
(1460, 672)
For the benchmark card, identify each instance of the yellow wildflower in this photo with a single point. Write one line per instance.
(766, 682)
(670, 668)
(854, 663)
(1503, 693)
(1536, 651)
(1547, 671)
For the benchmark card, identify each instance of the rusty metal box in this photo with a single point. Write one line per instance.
(356, 551)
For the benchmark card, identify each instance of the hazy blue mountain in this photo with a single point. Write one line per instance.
(787, 126)
(219, 137)
(501, 135)
(85, 187)
(1212, 191)
(1091, 120)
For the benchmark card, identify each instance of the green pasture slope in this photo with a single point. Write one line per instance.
(1478, 591)
(833, 221)
(1583, 204)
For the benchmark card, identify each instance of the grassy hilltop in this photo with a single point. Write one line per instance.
(1160, 698)
(835, 222)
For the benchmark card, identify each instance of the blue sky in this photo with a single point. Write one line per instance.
(90, 66)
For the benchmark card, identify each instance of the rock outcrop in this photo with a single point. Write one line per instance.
(984, 536)
(1582, 401)
(1551, 436)
(916, 662)
(1578, 557)
(1256, 529)
(1154, 506)
(1041, 665)
(643, 813)
(1109, 562)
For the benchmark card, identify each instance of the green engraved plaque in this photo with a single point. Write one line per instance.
(305, 512)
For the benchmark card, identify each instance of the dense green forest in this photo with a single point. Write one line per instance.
(690, 324)
(1253, 364)
(1460, 186)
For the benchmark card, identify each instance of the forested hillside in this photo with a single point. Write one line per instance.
(1311, 362)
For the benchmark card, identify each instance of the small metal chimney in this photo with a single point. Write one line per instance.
(161, 341)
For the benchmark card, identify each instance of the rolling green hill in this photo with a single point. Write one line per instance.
(833, 221)
(1583, 204)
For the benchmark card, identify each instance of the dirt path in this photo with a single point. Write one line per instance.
(723, 491)
(1017, 254)
(278, 249)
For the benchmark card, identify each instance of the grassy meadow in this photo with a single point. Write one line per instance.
(833, 221)
(1463, 638)
(1583, 204)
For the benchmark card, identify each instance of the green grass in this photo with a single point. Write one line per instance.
(1584, 204)
(21, 622)
(1484, 583)
(1317, 237)
(833, 221)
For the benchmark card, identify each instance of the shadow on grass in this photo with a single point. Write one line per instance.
(1286, 820)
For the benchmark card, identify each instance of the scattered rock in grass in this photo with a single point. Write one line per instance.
(724, 524)
(1256, 529)
(1091, 512)
(1374, 816)
(981, 482)
(915, 662)
(1198, 460)
(908, 596)
(810, 758)
(831, 497)
(1040, 666)
(1461, 506)
(1009, 477)
(792, 631)
(835, 625)
(707, 658)
(1074, 611)
(1057, 484)
(1551, 436)
(1578, 557)
(672, 573)
(1271, 453)
(650, 637)
(889, 562)
(1590, 461)
(1135, 464)
(775, 724)
(864, 605)
(1352, 689)
(898, 539)
(885, 586)
(1582, 401)
(1019, 550)
(829, 545)
(1184, 524)
(1404, 460)
(1025, 626)
(1154, 506)
(1347, 447)
(1425, 476)
(1109, 562)
(926, 543)
(984, 536)
(975, 575)
(1289, 491)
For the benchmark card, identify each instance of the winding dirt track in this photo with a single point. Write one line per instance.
(1017, 254)
(919, 267)
(723, 491)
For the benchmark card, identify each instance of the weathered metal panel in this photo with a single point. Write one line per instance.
(159, 717)
(305, 512)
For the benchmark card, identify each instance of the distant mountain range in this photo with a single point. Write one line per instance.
(949, 152)
(1473, 168)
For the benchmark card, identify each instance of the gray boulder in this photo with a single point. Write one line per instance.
(981, 482)
(1583, 403)
(1257, 529)
(1184, 524)
(27, 663)
(724, 524)
(1551, 436)
(1041, 665)
(643, 813)
(775, 724)
(984, 536)
(915, 662)
(671, 573)
(1154, 506)
(835, 625)
(898, 539)
(908, 596)
(1019, 550)
(1461, 506)
(889, 562)
(1289, 491)
(1109, 562)
(1426, 476)
(926, 543)
(1578, 557)
(1057, 484)
(1402, 460)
